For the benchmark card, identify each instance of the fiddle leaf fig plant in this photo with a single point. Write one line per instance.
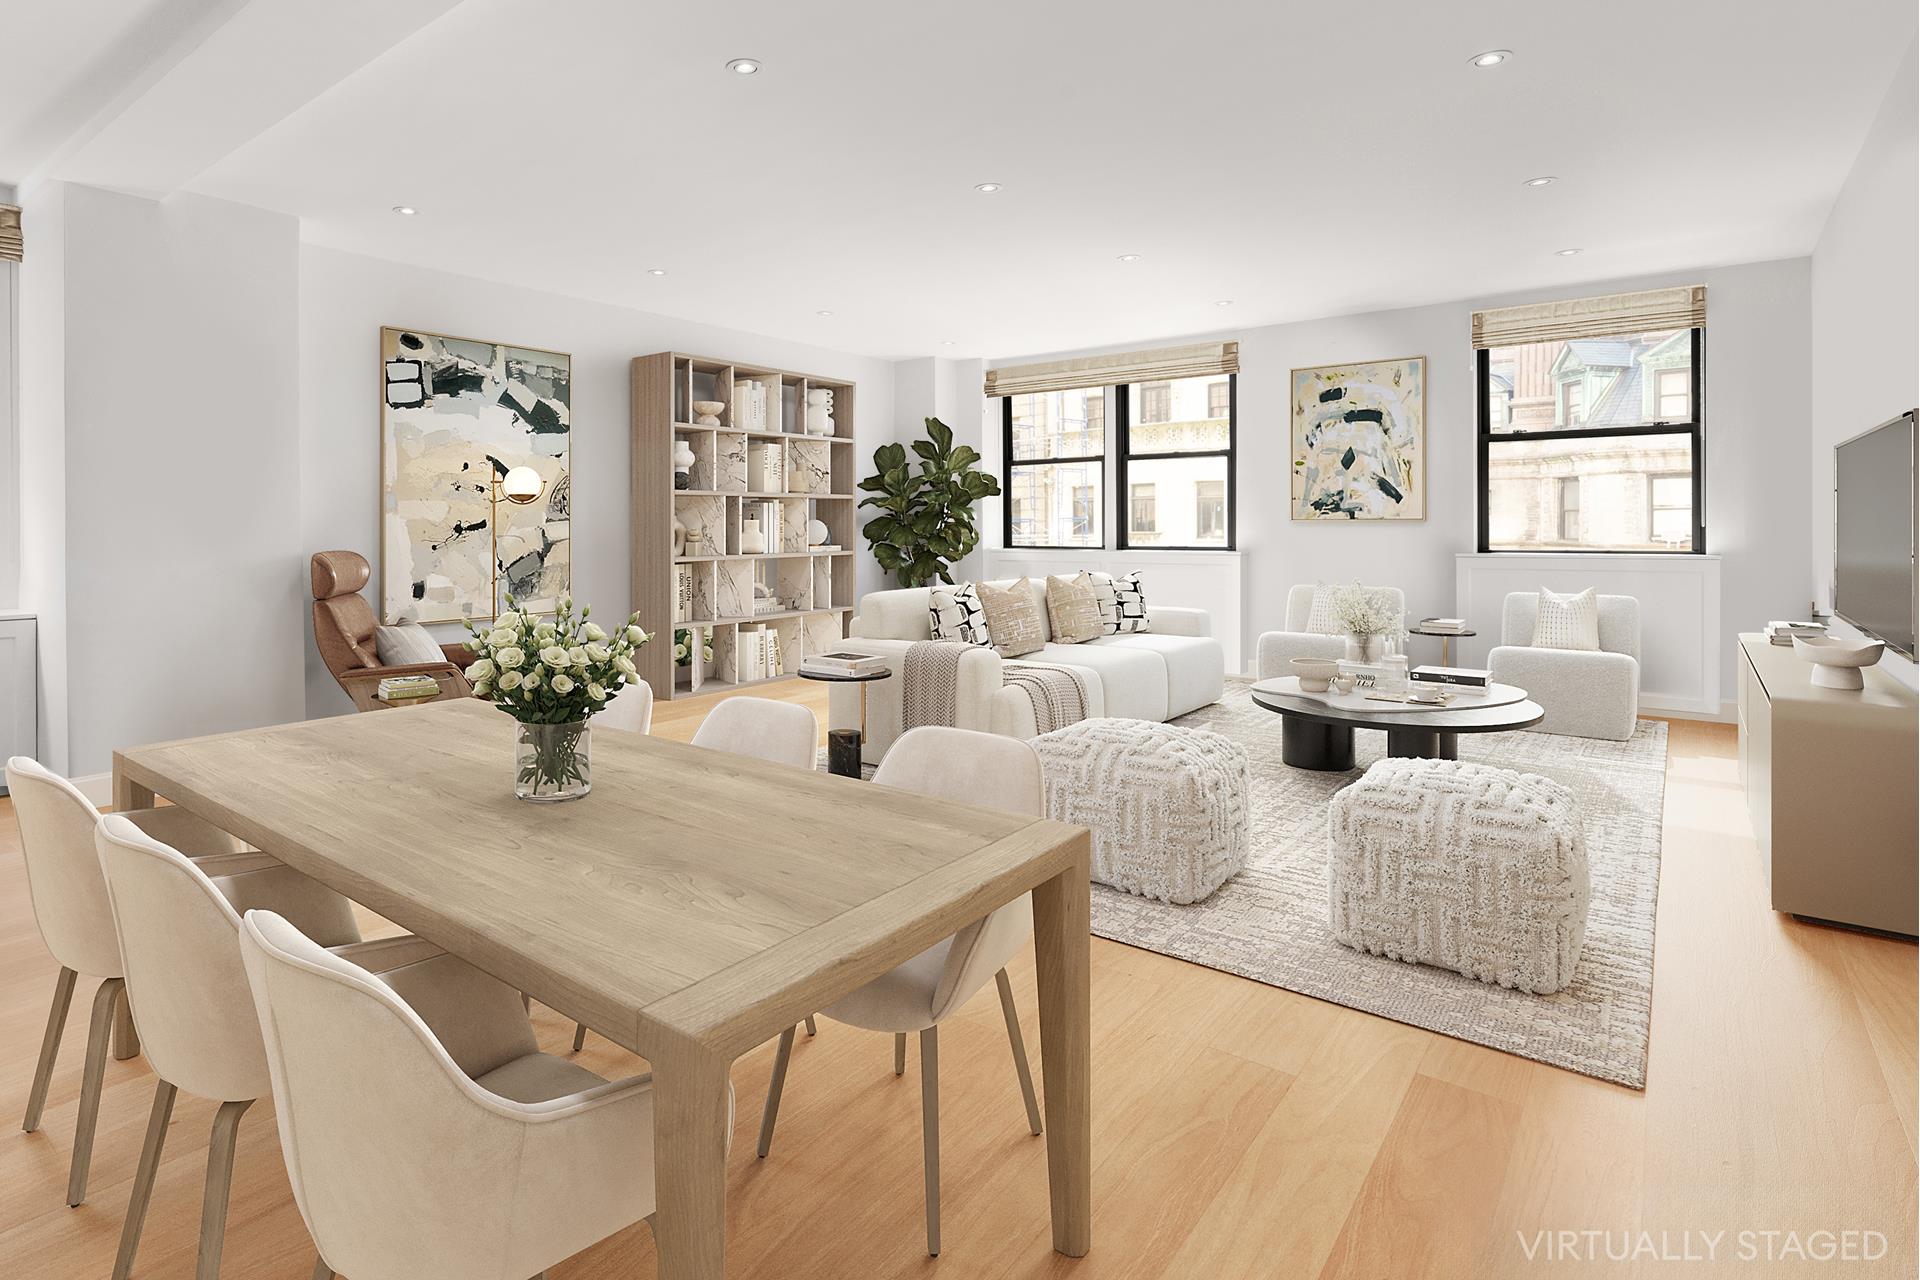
(925, 522)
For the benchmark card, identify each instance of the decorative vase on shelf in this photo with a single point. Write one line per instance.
(1366, 648)
(817, 533)
(708, 412)
(753, 540)
(551, 761)
(820, 411)
(682, 464)
(679, 537)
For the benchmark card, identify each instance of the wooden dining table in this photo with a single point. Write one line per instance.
(692, 906)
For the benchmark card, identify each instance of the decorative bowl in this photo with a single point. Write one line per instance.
(1316, 674)
(709, 411)
(1836, 662)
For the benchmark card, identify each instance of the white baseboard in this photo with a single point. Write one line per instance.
(96, 787)
(1686, 708)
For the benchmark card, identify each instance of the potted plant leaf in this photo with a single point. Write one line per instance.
(925, 522)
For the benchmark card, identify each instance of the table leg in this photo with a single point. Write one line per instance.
(690, 1163)
(1424, 744)
(1061, 925)
(127, 795)
(1446, 651)
(1309, 744)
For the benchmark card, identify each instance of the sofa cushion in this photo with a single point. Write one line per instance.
(1133, 679)
(405, 645)
(1196, 667)
(956, 614)
(1013, 617)
(1570, 621)
(1073, 610)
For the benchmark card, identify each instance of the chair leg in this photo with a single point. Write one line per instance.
(49, 1048)
(99, 1032)
(321, 1271)
(1019, 1050)
(772, 1110)
(213, 1207)
(812, 1030)
(163, 1096)
(899, 1053)
(579, 1036)
(126, 1040)
(930, 1131)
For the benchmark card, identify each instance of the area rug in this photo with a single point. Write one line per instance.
(1269, 922)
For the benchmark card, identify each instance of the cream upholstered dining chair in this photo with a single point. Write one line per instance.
(70, 905)
(630, 709)
(777, 732)
(408, 1161)
(962, 765)
(178, 926)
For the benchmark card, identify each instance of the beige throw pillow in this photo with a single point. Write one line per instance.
(1013, 619)
(1073, 609)
(1567, 621)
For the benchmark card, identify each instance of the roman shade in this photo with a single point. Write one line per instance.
(1682, 307)
(10, 245)
(1196, 361)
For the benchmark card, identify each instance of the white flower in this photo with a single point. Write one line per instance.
(598, 653)
(622, 662)
(592, 631)
(509, 657)
(509, 621)
(543, 632)
(597, 691)
(482, 689)
(563, 684)
(481, 670)
(510, 680)
(577, 656)
(556, 657)
(566, 604)
(500, 637)
(532, 681)
(635, 635)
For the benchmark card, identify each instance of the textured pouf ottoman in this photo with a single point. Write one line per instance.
(1463, 866)
(1167, 806)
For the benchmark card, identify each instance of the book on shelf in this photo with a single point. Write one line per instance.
(682, 593)
(1455, 625)
(749, 405)
(766, 466)
(846, 664)
(1782, 632)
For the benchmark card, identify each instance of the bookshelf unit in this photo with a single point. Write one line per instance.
(758, 463)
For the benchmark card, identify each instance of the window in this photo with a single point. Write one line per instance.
(1210, 509)
(1179, 447)
(1155, 400)
(1141, 503)
(1592, 444)
(1056, 444)
(1219, 399)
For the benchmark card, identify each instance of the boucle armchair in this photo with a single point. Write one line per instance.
(1586, 693)
(1277, 649)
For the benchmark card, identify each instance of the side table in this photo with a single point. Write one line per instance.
(844, 745)
(1446, 640)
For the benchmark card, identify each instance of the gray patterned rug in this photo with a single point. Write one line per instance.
(1269, 923)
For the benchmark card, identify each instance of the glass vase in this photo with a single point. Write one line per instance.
(1365, 648)
(551, 762)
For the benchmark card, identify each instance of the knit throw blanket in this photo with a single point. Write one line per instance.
(931, 673)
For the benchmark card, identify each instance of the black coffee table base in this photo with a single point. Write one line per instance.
(1311, 744)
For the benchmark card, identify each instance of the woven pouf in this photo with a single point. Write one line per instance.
(1167, 807)
(1463, 866)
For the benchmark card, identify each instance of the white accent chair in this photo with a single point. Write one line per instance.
(630, 709)
(419, 1155)
(962, 765)
(1585, 693)
(1278, 649)
(70, 905)
(178, 929)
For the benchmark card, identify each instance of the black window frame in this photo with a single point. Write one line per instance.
(1693, 430)
(1008, 463)
(1127, 456)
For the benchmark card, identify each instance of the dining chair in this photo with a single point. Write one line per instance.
(70, 906)
(777, 732)
(631, 709)
(967, 766)
(178, 925)
(412, 1161)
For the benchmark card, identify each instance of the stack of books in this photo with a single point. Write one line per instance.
(843, 664)
(1457, 626)
(1782, 633)
(749, 405)
(407, 688)
(1463, 679)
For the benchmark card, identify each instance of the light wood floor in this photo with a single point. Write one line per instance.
(1240, 1130)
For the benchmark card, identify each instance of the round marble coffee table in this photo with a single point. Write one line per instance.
(1314, 735)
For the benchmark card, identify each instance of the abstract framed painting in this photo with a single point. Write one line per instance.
(456, 415)
(1360, 441)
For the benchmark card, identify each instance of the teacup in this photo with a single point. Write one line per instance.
(1315, 673)
(1344, 682)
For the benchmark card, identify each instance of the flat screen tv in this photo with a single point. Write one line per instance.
(1874, 533)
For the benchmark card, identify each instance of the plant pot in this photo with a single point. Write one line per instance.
(1366, 648)
(551, 762)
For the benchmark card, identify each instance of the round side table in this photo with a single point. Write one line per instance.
(1446, 641)
(844, 745)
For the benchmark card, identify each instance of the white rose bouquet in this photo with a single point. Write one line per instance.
(552, 674)
(1365, 611)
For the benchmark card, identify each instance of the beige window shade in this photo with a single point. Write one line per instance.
(10, 233)
(1683, 307)
(1195, 361)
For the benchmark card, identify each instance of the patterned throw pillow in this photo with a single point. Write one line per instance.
(1129, 603)
(956, 615)
(1567, 621)
(1320, 619)
(1105, 601)
(1072, 608)
(1013, 618)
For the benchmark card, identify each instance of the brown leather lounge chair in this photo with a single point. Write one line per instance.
(343, 626)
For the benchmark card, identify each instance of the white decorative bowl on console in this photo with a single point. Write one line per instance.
(1316, 674)
(1837, 663)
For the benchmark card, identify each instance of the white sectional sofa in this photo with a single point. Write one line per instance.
(1174, 668)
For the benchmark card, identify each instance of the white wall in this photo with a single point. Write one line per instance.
(9, 451)
(1757, 394)
(345, 299)
(42, 451)
(1866, 330)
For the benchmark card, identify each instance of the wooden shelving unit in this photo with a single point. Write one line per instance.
(713, 589)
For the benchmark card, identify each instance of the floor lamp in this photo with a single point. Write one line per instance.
(520, 486)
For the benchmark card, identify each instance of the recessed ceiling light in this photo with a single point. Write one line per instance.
(1542, 180)
(1129, 257)
(823, 313)
(988, 187)
(744, 66)
(656, 271)
(1491, 58)
(946, 342)
(1566, 253)
(405, 210)
(1224, 302)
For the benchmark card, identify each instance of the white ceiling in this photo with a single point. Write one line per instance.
(1300, 160)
